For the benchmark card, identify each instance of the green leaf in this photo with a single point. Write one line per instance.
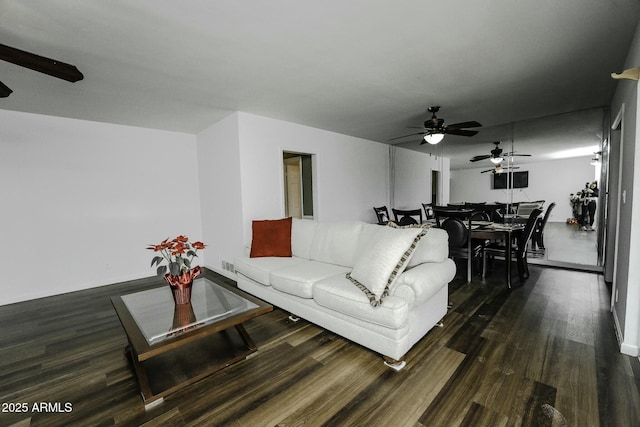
(192, 254)
(156, 260)
(161, 270)
(187, 263)
(174, 269)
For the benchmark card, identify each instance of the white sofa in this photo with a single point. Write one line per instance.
(313, 283)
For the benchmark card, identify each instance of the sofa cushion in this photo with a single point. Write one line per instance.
(259, 269)
(336, 242)
(338, 294)
(302, 232)
(433, 246)
(271, 238)
(298, 279)
(385, 259)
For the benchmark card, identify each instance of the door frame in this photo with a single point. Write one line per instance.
(617, 123)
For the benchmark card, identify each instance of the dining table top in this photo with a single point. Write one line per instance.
(487, 225)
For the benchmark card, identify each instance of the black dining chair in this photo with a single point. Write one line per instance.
(480, 216)
(460, 243)
(382, 214)
(519, 249)
(407, 216)
(537, 240)
(443, 212)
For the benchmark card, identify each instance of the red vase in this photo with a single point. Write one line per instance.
(181, 285)
(183, 315)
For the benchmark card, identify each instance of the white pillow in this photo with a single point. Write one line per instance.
(433, 247)
(385, 259)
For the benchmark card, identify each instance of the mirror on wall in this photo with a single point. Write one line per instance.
(552, 159)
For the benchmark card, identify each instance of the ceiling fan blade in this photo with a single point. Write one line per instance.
(4, 90)
(478, 158)
(471, 124)
(41, 64)
(405, 136)
(461, 132)
(513, 153)
(502, 171)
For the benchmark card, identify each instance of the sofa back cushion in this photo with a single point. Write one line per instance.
(336, 242)
(433, 247)
(302, 232)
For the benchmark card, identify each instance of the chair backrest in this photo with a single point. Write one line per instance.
(525, 208)
(428, 210)
(407, 216)
(457, 231)
(443, 212)
(480, 216)
(382, 213)
(546, 214)
(525, 237)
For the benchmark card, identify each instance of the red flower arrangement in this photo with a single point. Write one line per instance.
(178, 253)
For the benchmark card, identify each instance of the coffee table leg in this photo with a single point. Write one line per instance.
(246, 338)
(141, 375)
(150, 399)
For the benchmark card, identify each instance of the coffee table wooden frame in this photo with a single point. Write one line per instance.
(155, 385)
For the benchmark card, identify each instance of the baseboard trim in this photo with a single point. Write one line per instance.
(628, 349)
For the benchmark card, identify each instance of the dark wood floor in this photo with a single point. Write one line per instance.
(540, 355)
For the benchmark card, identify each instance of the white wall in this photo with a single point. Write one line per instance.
(551, 181)
(412, 178)
(242, 177)
(81, 201)
(350, 174)
(220, 192)
(626, 308)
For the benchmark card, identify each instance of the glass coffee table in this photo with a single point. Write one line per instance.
(172, 346)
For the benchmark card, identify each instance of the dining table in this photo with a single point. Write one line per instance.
(505, 232)
(489, 230)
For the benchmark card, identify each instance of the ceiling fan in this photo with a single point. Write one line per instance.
(497, 155)
(434, 128)
(499, 169)
(38, 63)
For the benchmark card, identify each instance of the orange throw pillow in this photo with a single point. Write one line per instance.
(271, 237)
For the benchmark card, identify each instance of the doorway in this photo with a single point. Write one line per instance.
(298, 185)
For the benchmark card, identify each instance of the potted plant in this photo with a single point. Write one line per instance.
(178, 253)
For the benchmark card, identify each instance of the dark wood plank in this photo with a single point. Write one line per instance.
(541, 354)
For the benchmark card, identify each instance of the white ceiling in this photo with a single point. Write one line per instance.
(365, 68)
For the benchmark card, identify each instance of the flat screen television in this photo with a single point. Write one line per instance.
(520, 180)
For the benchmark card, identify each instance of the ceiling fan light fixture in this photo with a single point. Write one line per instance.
(496, 160)
(433, 138)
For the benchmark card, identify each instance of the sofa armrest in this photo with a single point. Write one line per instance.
(423, 281)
